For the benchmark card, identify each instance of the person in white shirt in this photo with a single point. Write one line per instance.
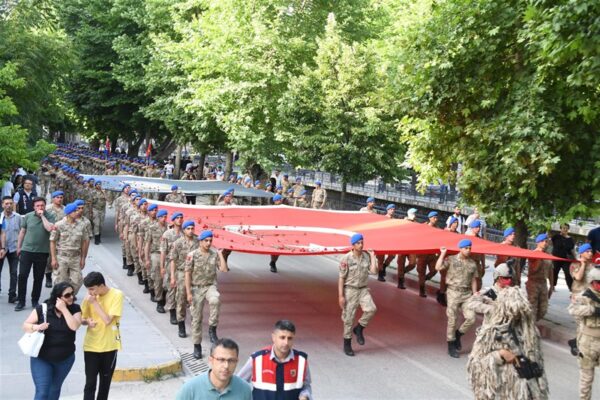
(169, 168)
(459, 218)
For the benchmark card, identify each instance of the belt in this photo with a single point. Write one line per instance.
(594, 332)
(69, 253)
(354, 287)
(459, 289)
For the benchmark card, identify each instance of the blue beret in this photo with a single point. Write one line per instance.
(298, 179)
(277, 197)
(355, 238)
(205, 234)
(508, 231)
(142, 201)
(176, 215)
(452, 220)
(318, 183)
(257, 182)
(475, 224)
(98, 183)
(174, 187)
(125, 187)
(583, 248)
(137, 196)
(269, 185)
(432, 214)
(390, 207)
(187, 224)
(465, 243)
(541, 237)
(58, 193)
(226, 193)
(370, 200)
(279, 187)
(161, 213)
(285, 175)
(90, 180)
(69, 208)
(79, 202)
(152, 207)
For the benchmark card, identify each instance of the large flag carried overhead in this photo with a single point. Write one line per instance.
(287, 230)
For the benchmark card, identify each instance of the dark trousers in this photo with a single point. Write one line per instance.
(190, 199)
(102, 364)
(13, 262)
(564, 265)
(38, 261)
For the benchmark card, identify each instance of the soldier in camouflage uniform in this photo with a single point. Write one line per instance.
(152, 241)
(579, 271)
(142, 225)
(98, 211)
(586, 308)
(201, 267)
(121, 200)
(427, 261)
(175, 196)
(483, 302)
(130, 221)
(57, 209)
(301, 201)
(500, 346)
(166, 244)
(539, 280)
(181, 248)
(319, 196)
(461, 281)
(87, 225)
(66, 249)
(353, 292)
(473, 231)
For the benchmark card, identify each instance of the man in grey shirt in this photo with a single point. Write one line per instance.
(11, 224)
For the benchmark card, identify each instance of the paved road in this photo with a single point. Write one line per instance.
(404, 355)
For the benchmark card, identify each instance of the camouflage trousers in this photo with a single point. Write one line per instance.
(69, 271)
(200, 294)
(135, 260)
(180, 296)
(124, 249)
(98, 221)
(170, 292)
(129, 255)
(589, 359)
(155, 277)
(537, 294)
(457, 300)
(357, 297)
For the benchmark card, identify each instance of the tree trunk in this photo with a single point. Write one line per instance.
(521, 234)
(165, 149)
(201, 166)
(134, 148)
(178, 161)
(228, 165)
(343, 194)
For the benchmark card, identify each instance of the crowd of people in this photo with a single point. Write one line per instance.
(179, 268)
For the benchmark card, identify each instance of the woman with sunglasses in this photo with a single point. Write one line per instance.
(57, 355)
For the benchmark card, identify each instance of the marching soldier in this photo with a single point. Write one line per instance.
(427, 261)
(117, 204)
(540, 272)
(98, 211)
(152, 249)
(132, 217)
(86, 224)
(402, 258)
(166, 244)
(580, 270)
(148, 223)
(319, 196)
(474, 229)
(383, 261)
(461, 281)
(201, 267)
(142, 225)
(483, 302)
(58, 210)
(370, 207)
(175, 196)
(353, 292)
(298, 187)
(66, 249)
(179, 252)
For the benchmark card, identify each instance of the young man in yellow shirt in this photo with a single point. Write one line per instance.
(101, 311)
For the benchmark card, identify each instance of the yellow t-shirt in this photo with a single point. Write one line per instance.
(102, 337)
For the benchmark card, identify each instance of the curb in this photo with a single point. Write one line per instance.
(146, 374)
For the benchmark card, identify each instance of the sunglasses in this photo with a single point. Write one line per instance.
(67, 295)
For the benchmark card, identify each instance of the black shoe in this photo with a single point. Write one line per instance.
(348, 347)
(96, 239)
(140, 280)
(124, 263)
(130, 269)
(358, 331)
(48, 283)
(153, 296)
(20, 306)
(173, 319)
(146, 287)
(197, 351)
(12, 299)
(212, 334)
(181, 333)
(401, 283)
(457, 342)
(452, 349)
(381, 276)
(273, 267)
(422, 291)
(34, 304)
(441, 298)
(160, 307)
(573, 346)
(384, 269)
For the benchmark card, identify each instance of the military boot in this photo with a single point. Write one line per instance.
(173, 317)
(422, 291)
(125, 263)
(140, 279)
(130, 269)
(197, 351)
(146, 287)
(452, 349)
(273, 266)
(348, 347)
(573, 346)
(49, 280)
(153, 296)
(458, 344)
(212, 334)
(358, 331)
(441, 298)
(96, 239)
(182, 333)
(401, 283)
(381, 276)
(160, 306)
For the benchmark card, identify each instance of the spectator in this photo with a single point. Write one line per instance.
(24, 197)
(8, 189)
(57, 355)
(102, 309)
(459, 218)
(11, 225)
(219, 382)
(563, 246)
(169, 168)
(33, 248)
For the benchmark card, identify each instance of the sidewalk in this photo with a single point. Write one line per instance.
(146, 355)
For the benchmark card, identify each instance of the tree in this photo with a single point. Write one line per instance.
(480, 90)
(334, 114)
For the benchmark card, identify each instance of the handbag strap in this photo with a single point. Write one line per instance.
(44, 311)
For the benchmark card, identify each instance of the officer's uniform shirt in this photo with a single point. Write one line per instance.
(203, 267)
(355, 272)
(461, 272)
(181, 248)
